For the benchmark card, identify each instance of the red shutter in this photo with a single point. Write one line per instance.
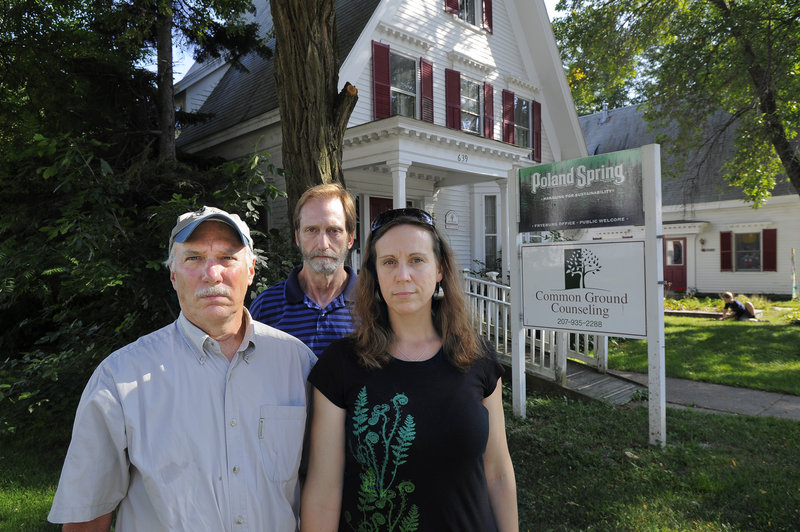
(488, 111)
(487, 15)
(451, 6)
(725, 251)
(452, 96)
(508, 116)
(769, 246)
(426, 90)
(536, 109)
(381, 81)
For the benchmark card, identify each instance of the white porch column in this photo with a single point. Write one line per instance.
(504, 231)
(399, 170)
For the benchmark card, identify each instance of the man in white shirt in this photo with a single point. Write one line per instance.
(197, 426)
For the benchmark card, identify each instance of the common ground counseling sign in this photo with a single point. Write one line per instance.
(595, 287)
(600, 191)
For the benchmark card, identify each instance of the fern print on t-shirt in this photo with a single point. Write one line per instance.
(384, 438)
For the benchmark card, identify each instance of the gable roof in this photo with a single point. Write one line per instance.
(701, 179)
(245, 94)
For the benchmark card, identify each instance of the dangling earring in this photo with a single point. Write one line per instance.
(438, 293)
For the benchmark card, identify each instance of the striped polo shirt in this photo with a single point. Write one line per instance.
(286, 307)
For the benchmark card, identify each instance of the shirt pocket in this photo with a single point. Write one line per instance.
(280, 435)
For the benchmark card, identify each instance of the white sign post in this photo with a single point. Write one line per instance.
(654, 275)
(613, 288)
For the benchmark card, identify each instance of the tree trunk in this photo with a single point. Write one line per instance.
(313, 114)
(166, 104)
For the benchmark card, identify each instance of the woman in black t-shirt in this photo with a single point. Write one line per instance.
(408, 430)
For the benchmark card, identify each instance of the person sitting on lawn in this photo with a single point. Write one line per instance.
(735, 309)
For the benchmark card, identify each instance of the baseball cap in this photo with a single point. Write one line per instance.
(189, 221)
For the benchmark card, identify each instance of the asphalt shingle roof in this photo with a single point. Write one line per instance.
(701, 179)
(242, 95)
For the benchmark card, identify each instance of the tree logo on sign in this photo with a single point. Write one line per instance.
(579, 263)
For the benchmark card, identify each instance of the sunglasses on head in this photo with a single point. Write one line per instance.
(389, 216)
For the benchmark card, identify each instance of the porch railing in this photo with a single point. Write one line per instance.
(546, 350)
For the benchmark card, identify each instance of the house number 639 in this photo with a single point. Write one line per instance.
(463, 158)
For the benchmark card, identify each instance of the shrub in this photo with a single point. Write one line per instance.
(82, 251)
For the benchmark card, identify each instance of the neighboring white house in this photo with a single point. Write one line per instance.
(713, 239)
(454, 95)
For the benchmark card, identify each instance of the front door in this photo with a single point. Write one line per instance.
(378, 206)
(675, 263)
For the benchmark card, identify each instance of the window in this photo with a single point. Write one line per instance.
(394, 84)
(522, 123)
(674, 252)
(470, 106)
(490, 232)
(466, 10)
(748, 252)
(472, 11)
(463, 104)
(403, 83)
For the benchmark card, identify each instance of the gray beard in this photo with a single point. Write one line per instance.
(325, 267)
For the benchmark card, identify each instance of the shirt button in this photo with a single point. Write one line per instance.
(239, 520)
(236, 469)
(233, 422)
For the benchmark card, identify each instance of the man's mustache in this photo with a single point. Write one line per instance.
(213, 291)
(330, 255)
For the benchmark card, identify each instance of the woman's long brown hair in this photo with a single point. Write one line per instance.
(374, 335)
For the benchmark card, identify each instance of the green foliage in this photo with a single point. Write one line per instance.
(68, 68)
(607, 70)
(82, 248)
(86, 211)
(692, 303)
(716, 304)
(691, 60)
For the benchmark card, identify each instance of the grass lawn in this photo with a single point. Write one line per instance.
(28, 479)
(579, 466)
(584, 466)
(587, 466)
(759, 355)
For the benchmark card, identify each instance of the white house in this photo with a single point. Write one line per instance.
(453, 96)
(714, 240)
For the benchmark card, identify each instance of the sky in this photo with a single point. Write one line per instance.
(183, 60)
(551, 7)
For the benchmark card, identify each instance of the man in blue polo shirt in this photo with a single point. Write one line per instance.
(313, 304)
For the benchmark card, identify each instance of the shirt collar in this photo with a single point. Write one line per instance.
(294, 293)
(196, 337)
(350, 290)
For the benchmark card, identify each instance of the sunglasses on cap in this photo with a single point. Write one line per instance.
(389, 216)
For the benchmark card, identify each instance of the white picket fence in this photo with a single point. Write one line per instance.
(546, 350)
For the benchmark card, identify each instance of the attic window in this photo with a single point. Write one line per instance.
(522, 123)
(472, 12)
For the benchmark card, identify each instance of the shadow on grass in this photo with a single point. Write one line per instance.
(29, 474)
(754, 355)
(587, 466)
